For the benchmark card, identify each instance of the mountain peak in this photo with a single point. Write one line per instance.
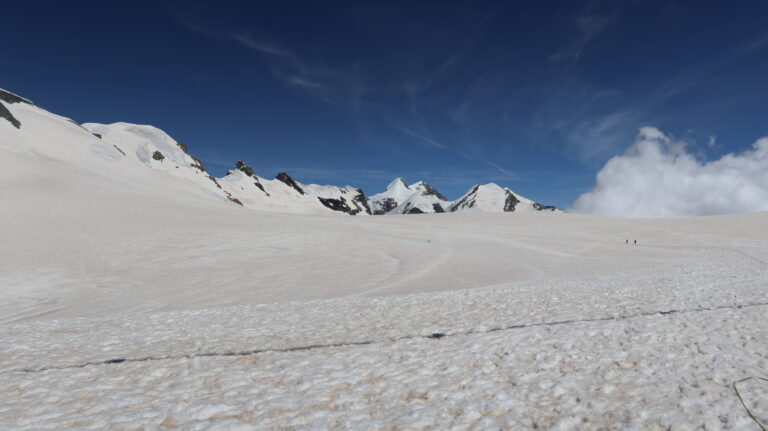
(427, 190)
(400, 198)
(491, 197)
(241, 166)
(490, 186)
(397, 183)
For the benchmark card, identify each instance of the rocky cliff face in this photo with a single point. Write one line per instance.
(10, 98)
(353, 204)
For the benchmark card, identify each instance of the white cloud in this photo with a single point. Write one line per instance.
(658, 177)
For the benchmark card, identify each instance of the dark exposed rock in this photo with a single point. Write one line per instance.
(338, 205)
(414, 210)
(182, 146)
(282, 176)
(438, 208)
(362, 201)
(511, 202)
(247, 170)
(386, 206)
(118, 149)
(214, 181)
(157, 155)
(335, 204)
(359, 203)
(241, 166)
(229, 195)
(98, 135)
(197, 164)
(258, 184)
(428, 190)
(12, 98)
(465, 201)
(540, 207)
(5, 113)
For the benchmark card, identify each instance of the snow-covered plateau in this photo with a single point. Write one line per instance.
(136, 298)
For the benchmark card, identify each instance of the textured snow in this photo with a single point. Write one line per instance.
(127, 302)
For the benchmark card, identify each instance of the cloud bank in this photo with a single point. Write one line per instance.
(658, 177)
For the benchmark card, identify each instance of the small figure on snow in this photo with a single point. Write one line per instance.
(627, 242)
(635, 242)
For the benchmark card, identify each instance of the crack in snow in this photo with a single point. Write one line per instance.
(434, 336)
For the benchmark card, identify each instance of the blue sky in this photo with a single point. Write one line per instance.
(536, 95)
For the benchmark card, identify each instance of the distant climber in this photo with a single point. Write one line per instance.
(635, 242)
(627, 242)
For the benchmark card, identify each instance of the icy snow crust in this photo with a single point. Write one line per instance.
(126, 302)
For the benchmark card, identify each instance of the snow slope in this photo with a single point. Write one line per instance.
(399, 198)
(148, 146)
(493, 198)
(145, 156)
(121, 158)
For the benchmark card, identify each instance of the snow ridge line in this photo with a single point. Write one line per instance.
(404, 337)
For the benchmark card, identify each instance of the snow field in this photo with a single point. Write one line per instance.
(650, 372)
(605, 351)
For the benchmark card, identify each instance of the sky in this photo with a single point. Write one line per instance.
(538, 96)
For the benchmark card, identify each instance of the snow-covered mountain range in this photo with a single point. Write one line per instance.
(420, 198)
(141, 155)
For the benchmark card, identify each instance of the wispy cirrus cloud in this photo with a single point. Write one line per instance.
(338, 86)
(425, 137)
(421, 137)
(332, 85)
(589, 25)
(756, 45)
(264, 48)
